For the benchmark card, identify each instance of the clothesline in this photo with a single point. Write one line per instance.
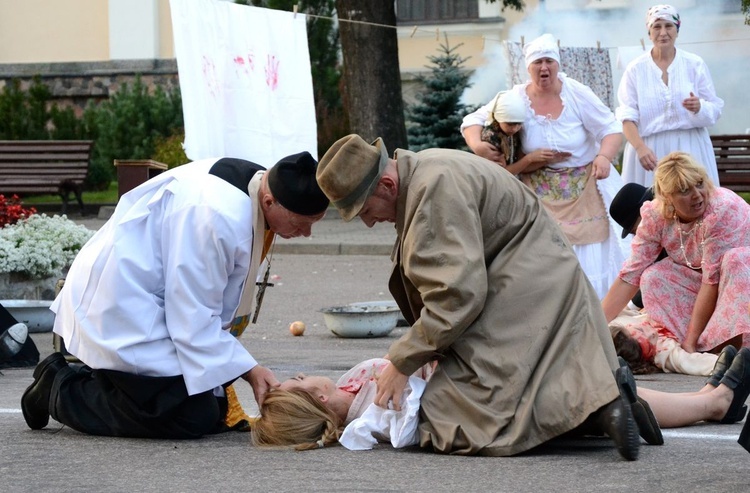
(436, 31)
(641, 42)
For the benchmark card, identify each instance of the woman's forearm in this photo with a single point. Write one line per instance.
(633, 136)
(610, 146)
(705, 304)
(617, 298)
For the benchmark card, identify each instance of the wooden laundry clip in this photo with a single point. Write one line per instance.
(294, 9)
(437, 34)
(522, 42)
(598, 45)
(413, 31)
(643, 45)
(558, 44)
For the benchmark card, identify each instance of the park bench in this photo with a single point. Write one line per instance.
(44, 166)
(733, 161)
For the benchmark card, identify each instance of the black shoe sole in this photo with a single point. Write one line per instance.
(648, 426)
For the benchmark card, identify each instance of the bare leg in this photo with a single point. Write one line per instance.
(683, 409)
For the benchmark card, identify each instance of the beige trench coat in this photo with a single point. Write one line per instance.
(494, 292)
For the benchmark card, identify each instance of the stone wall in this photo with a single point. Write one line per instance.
(74, 84)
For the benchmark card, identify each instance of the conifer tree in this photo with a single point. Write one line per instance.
(435, 119)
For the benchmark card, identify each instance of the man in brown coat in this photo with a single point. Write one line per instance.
(493, 292)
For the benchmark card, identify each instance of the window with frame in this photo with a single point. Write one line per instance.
(436, 11)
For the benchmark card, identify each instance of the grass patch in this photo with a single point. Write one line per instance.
(108, 196)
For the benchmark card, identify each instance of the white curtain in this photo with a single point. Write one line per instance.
(245, 81)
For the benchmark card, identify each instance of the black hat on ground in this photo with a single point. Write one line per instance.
(292, 183)
(626, 206)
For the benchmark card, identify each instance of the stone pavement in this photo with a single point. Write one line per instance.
(700, 458)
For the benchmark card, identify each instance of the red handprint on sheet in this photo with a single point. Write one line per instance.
(272, 72)
(209, 76)
(244, 64)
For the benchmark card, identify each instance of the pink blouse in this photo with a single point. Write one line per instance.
(725, 225)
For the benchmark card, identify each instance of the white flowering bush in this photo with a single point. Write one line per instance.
(41, 246)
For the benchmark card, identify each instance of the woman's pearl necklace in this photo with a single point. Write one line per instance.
(698, 224)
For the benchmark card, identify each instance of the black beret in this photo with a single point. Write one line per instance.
(293, 185)
(625, 208)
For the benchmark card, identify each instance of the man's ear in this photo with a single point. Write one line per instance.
(267, 199)
(323, 398)
(389, 185)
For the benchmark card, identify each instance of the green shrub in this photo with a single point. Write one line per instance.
(127, 125)
(24, 114)
(169, 150)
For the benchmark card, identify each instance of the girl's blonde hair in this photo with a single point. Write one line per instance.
(675, 172)
(296, 417)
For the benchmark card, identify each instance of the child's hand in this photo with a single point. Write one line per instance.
(559, 156)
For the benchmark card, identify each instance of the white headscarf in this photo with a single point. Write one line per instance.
(507, 107)
(544, 46)
(664, 13)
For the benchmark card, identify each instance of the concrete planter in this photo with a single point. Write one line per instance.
(17, 286)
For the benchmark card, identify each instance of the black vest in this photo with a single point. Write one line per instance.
(237, 172)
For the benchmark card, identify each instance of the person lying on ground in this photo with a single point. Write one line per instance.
(313, 412)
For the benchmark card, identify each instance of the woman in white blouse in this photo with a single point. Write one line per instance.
(570, 139)
(667, 101)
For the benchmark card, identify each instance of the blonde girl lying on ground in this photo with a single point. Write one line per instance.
(313, 412)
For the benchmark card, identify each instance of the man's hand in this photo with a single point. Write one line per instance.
(391, 385)
(261, 379)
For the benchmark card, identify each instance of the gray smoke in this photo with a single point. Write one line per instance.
(714, 30)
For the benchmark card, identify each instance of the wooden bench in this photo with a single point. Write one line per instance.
(45, 166)
(733, 160)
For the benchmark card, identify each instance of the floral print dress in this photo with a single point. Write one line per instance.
(715, 251)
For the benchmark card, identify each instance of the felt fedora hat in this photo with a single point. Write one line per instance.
(625, 208)
(349, 172)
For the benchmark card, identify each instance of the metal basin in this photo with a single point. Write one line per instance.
(362, 320)
(34, 313)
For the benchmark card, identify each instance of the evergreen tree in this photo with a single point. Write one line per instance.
(435, 119)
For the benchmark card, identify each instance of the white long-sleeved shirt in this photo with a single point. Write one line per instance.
(656, 107)
(154, 290)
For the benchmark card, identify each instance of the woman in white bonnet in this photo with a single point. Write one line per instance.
(571, 138)
(503, 128)
(666, 102)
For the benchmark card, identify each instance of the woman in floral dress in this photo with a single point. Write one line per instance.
(700, 292)
(570, 139)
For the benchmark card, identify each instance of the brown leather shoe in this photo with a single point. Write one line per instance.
(35, 400)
